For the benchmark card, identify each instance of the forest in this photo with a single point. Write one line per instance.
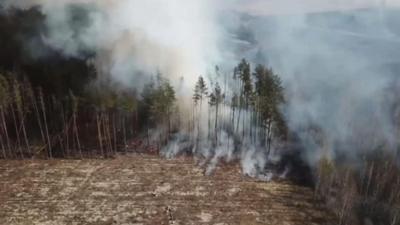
(54, 106)
(41, 123)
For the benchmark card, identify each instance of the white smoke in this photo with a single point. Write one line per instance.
(338, 68)
(177, 38)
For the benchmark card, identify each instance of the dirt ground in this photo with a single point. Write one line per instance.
(142, 189)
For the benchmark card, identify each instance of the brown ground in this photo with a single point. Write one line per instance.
(146, 190)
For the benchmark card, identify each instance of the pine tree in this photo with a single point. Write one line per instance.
(161, 100)
(216, 98)
(128, 106)
(200, 92)
(243, 73)
(269, 94)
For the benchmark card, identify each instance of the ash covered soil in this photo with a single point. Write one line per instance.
(143, 189)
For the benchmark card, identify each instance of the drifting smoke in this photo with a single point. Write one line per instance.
(177, 38)
(337, 67)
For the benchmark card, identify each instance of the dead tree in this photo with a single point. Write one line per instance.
(50, 151)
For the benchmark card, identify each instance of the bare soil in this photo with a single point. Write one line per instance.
(143, 189)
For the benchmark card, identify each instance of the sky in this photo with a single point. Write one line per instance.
(273, 7)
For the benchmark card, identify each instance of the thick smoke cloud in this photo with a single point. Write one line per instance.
(338, 69)
(177, 38)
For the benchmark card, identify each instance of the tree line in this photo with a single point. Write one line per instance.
(103, 119)
(99, 122)
(249, 111)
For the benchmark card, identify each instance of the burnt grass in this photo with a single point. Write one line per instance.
(147, 189)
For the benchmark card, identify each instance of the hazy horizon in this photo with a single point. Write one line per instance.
(287, 7)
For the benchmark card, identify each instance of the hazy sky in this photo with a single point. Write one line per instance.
(267, 7)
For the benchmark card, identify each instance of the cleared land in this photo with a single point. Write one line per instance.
(142, 189)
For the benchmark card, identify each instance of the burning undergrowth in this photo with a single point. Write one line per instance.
(284, 161)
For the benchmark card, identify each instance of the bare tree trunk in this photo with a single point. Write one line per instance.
(38, 118)
(74, 145)
(107, 132)
(65, 146)
(194, 121)
(269, 138)
(5, 130)
(198, 123)
(252, 116)
(240, 106)
(45, 124)
(169, 124)
(148, 136)
(394, 219)
(256, 127)
(67, 138)
(209, 124)
(3, 147)
(168, 129)
(17, 132)
(61, 141)
(114, 133)
(371, 172)
(99, 133)
(136, 122)
(251, 125)
(238, 120)
(233, 118)
(243, 123)
(105, 135)
(22, 120)
(216, 123)
(124, 133)
(77, 135)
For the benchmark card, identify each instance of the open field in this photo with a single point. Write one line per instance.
(142, 189)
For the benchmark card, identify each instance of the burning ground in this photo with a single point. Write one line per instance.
(142, 189)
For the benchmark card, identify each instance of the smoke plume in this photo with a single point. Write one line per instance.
(340, 72)
(177, 38)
